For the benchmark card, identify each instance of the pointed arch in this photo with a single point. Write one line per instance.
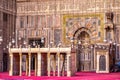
(79, 30)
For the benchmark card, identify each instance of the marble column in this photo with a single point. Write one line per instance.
(20, 73)
(48, 63)
(58, 54)
(29, 55)
(11, 65)
(63, 62)
(27, 65)
(98, 56)
(35, 65)
(95, 57)
(39, 64)
(68, 65)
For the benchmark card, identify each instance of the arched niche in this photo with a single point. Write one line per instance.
(79, 30)
(84, 54)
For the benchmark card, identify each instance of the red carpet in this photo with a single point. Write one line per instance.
(78, 76)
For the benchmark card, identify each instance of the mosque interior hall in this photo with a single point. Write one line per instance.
(61, 37)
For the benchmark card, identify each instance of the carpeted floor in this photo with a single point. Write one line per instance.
(78, 76)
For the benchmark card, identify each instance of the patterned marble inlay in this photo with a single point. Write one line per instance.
(92, 22)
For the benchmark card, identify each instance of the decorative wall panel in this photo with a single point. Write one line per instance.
(92, 22)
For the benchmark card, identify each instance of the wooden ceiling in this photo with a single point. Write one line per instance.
(34, 0)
